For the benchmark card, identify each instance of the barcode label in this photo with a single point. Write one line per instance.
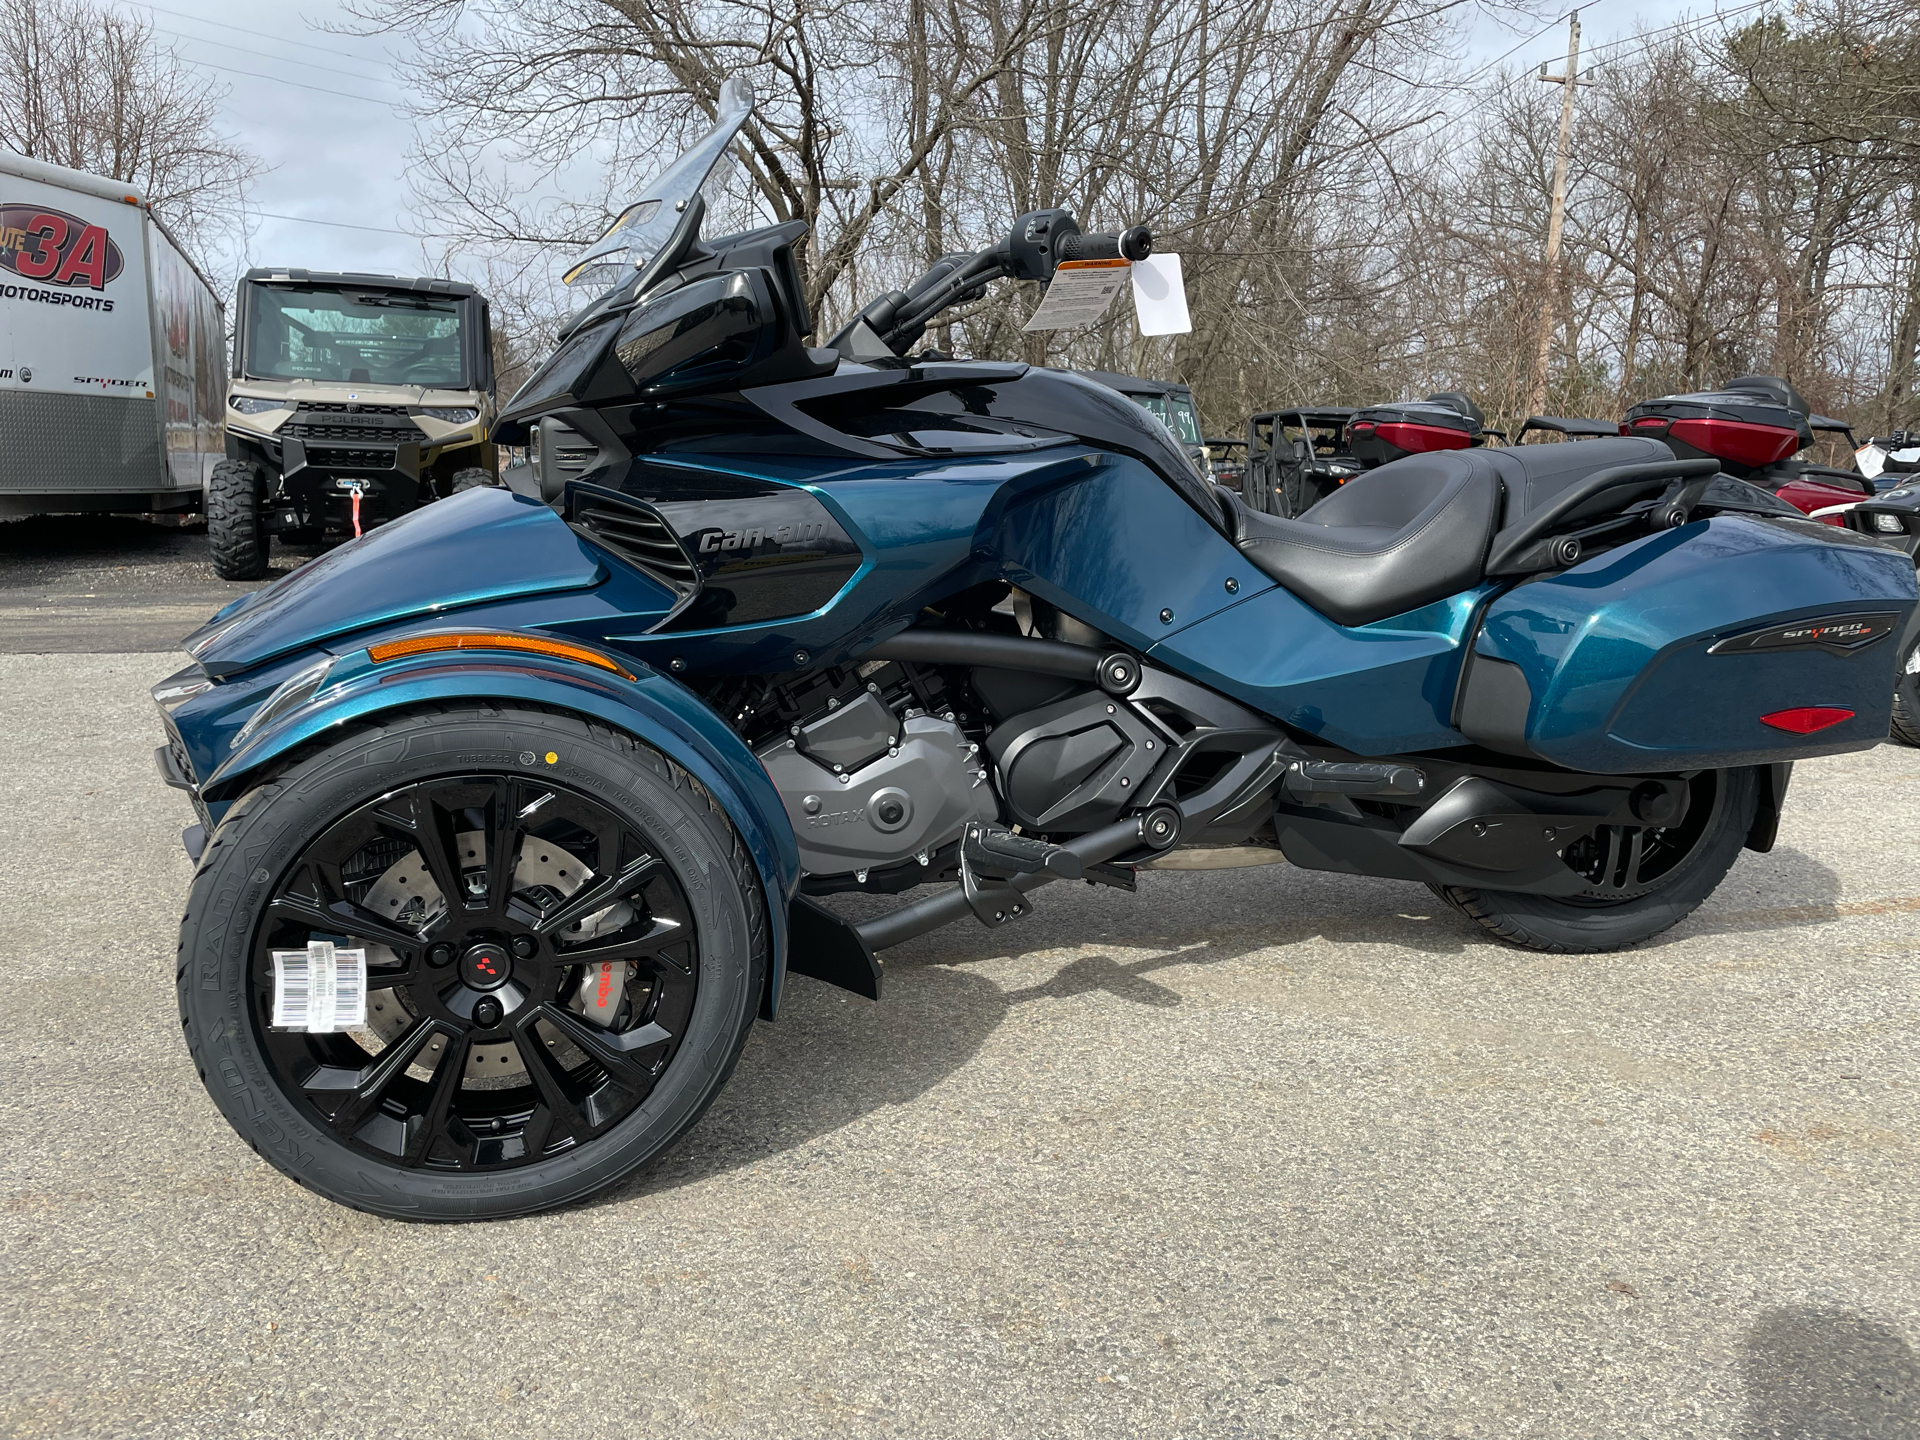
(319, 989)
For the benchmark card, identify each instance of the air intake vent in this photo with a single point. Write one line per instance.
(635, 532)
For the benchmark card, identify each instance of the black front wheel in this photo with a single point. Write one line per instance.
(564, 947)
(1638, 879)
(1906, 700)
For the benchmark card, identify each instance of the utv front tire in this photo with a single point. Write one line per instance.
(573, 1106)
(1594, 922)
(472, 479)
(237, 535)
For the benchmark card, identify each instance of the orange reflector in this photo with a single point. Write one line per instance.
(1806, 719)
(493, 640)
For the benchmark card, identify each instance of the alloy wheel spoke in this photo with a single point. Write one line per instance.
(562, 1115)
(660, 934)
(365, 1088)
(597, 895)
(617, 1054)
(343, 916)
(430, 830)
(431, 1123)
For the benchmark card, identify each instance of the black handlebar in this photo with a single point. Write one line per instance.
(1038, 243)
(1134, 244)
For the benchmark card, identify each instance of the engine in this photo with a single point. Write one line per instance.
(877, 778)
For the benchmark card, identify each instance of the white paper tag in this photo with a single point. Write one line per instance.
(1160, 296)
(320, 989)
(1080, 293)
(1871, 459)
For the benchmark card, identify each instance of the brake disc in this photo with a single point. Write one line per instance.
(407, 893)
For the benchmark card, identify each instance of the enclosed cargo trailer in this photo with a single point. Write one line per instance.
(112, 350)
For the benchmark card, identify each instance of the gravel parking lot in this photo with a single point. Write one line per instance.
(1256, 1153)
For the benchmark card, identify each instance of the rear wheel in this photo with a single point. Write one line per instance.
(1906, 701)
(1641, 880)
(237, 535)
(565, 946)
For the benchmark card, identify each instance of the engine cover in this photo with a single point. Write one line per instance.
(1075, 764)
(916, 796)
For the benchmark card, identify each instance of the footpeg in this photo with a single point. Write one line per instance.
(990, 857)
(991, 850)
(1350, 777)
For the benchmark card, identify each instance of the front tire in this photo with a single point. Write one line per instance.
(473, 478)
(237, 537)
(1906, 701)
(1628, 901)
(571, 848)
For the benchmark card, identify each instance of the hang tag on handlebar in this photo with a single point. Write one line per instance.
(1080, 293)
(1160, 296)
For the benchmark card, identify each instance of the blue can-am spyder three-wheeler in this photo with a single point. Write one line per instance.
(516, 813)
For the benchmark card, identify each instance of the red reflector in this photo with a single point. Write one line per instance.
(1806, 719)
(1646, 422)
(1740, 441)
(1363, 425)
(1407, 436)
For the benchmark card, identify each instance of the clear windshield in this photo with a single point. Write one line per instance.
(1173, 411)
(638, 232)
(350, 337)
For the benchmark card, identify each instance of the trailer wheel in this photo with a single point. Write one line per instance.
(472, 479)
(236, 523)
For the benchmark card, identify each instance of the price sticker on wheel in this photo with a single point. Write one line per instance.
(320, 989)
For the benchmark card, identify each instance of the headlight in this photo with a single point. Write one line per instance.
(452, 414)
(291, 695)
(174, 691)
(254, 404)
(1888, 524)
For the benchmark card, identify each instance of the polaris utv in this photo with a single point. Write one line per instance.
(354, 399)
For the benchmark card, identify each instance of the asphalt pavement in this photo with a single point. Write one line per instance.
(1253, 1153)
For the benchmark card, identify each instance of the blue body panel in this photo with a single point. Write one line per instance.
(1380, 689)
(1614, 649)
(480, 545)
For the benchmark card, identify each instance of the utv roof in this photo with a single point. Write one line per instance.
(1134, 385)
(424, 284)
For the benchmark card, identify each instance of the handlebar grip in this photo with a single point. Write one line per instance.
(1132, 244)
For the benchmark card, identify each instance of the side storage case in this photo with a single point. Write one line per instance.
(1729, 641)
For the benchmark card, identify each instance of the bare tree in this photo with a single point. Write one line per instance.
(91, 89)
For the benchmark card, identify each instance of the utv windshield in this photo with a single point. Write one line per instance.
(356, 337)
(1173, 411)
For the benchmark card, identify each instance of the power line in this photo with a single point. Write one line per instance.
(282, 59)
(343, 225)
(298, 85)
(243, 30)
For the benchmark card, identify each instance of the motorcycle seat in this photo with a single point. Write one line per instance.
(1417, 529)
(1413, 531)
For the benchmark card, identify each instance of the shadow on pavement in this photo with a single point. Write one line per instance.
(1829, 1375)
(831, 1059)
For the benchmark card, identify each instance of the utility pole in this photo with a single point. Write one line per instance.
(1537, 391)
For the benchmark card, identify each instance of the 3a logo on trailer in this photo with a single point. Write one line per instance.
(57, 248)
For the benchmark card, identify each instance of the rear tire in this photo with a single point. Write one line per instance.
(275, 835)
(237, 537)
(1577, 925)
(1906, 701)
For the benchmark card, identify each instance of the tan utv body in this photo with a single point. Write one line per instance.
(354, 399)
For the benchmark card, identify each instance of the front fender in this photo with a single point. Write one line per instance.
(651, 708)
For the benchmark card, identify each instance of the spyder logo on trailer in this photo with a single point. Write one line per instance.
(57, 248)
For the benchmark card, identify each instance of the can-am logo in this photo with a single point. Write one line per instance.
(714, 541)
(57, 248)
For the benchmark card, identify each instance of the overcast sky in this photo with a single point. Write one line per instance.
(320, 109)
